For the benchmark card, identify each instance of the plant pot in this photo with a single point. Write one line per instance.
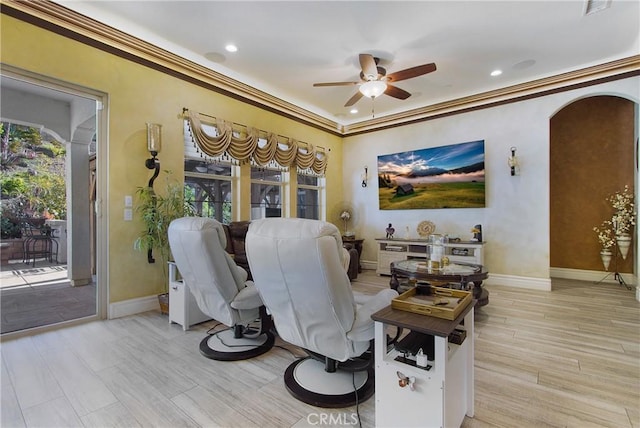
(606, 255)
(624, 242)
(163, 299)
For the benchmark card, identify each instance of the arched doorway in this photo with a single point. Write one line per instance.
(592, 155)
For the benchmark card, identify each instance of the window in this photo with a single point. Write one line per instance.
(266, 192)
(207, 180)
(207, 187)
(308, 202)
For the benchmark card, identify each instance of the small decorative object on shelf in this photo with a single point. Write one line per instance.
(390, 231)
(477, 233)
(426, 228)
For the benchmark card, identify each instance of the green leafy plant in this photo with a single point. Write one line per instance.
(157, 211)
(9, 229)
(33, 171)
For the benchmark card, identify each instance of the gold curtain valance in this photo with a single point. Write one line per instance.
(285, 151)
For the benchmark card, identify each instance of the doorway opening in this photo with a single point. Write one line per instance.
(53, 271)
(593, 152)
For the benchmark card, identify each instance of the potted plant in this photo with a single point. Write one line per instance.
(157, 211)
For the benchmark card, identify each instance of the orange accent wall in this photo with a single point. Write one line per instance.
(591, 157)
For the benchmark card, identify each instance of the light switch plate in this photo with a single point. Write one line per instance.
(128, 214)
(128, 201)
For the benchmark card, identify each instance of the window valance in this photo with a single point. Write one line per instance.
(252, 144)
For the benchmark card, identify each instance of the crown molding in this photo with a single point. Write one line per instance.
(63, 21)
(614, 70)
(57, 18)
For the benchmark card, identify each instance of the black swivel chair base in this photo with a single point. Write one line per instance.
(307, 381)
(225, 346)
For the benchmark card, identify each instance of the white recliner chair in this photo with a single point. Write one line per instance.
(221, 289)
(297, 267)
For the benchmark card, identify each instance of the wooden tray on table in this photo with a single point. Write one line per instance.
(437, 302)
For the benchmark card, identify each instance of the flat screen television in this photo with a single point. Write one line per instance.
(436, 177)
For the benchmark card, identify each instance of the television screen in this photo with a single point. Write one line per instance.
(438, 177)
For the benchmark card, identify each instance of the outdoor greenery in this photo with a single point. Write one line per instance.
(32, 177)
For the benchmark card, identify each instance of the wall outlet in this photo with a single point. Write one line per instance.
(128, 214)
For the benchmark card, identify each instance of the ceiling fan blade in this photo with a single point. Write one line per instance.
(395, 92)
(369, 67)
(411, 72)
(354, 99)
(336, 84)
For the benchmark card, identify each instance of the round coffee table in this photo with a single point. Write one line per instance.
(460, 274)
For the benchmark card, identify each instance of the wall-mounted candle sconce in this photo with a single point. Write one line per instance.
(154, 143)
(513, 162)
(365, 176)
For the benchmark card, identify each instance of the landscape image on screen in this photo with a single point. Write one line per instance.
(438, 177)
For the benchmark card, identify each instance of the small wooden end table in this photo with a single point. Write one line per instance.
(357, 244)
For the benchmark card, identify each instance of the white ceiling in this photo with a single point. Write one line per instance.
(284, 47)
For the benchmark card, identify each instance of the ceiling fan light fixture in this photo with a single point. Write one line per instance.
(373, 88)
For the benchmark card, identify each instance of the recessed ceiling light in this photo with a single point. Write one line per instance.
(231, 48)
(215, 57)
(496, 73)
(353, 111)
(524, 64)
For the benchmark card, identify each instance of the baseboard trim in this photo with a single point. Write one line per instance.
(133, 306)
(543, 284)
(368, 265)
(590, 275)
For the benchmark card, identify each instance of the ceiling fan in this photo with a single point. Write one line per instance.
(374, 80)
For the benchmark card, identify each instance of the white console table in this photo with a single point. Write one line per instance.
(393, 250)
(442, 395)
(183, 308)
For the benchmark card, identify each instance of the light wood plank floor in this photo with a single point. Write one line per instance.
(567, 358)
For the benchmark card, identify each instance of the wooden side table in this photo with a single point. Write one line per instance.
(357, 243)
(443, 393)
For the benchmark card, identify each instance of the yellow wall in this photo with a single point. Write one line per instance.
(138, 95)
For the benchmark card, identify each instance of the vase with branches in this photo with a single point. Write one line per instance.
(624, 216)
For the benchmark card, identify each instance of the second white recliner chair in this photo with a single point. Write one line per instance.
(297, 267)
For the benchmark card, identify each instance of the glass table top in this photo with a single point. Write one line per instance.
(422, 267)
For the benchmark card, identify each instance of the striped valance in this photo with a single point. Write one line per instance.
(255, 145)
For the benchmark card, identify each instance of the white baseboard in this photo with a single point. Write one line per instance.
(543, 284)
(367, 264)
(590, 275)
(133, 306)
